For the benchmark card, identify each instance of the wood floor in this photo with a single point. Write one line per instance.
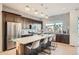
(61, 49)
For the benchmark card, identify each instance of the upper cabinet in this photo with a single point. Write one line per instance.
(18, 19)
(10, 17)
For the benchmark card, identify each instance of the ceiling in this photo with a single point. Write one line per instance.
(49, 9)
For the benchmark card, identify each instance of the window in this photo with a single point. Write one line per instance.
(56, 27)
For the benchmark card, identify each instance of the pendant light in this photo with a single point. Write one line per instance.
(46, 16)
(27, 8)
(42, 14)
(36, 12)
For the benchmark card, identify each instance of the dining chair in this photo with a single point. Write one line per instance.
(49, 41)
(44, 43)
(33, 49)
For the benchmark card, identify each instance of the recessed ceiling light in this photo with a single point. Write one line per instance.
(36, 12)
(42, 4)
(46, 16)
(42, 14)
(27, 8)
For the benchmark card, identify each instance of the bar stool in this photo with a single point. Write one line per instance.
(44, 43)
(53, 40)
(33, 49)
(49, 41)
(53, 44)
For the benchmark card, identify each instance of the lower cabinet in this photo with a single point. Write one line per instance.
(62, 38)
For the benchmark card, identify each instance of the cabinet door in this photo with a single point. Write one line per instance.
(10, 17)
(66, 39)
(62, 38)
(4, 30)
(59, 38)
(18, 19)
(26, 23)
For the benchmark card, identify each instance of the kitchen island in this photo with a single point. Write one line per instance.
(21, 42)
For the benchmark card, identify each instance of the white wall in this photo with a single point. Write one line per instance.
(0, 27)
(74, 35)
(60, 18)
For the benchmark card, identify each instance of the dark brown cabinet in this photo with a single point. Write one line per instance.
(62, 38)
(18, 19)
(11, 17)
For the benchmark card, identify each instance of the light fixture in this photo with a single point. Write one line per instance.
(42, 4)
(42, 14)
(27, 8)
(46, 16)
(36, 12)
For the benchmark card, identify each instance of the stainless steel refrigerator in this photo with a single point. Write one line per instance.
(13, 31)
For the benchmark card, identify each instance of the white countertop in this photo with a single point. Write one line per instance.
(26, 40)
